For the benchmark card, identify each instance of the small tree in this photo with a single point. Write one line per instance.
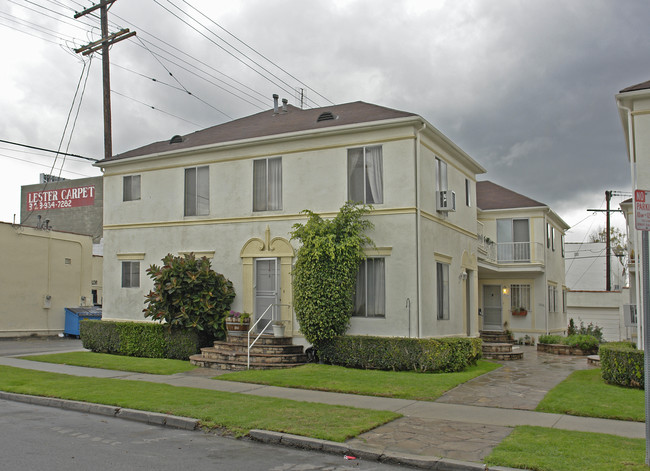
(188, 294)
(324, 276)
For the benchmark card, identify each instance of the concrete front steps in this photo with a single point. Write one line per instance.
(498, 345)
(268, 352)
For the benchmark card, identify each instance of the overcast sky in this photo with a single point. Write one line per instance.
(524, 87)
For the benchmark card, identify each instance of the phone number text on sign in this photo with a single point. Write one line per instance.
(61, 198)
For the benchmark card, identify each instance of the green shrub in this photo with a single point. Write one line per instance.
(401, 354)
(188, 294)
(586, 343)
(550, 339)
(590, 329)
(621, 363)
(325, 274)
(139, 339)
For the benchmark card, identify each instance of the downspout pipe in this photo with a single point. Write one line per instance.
(632, 153)
(418, 228)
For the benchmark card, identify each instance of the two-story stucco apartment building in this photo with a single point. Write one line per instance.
(232, 192)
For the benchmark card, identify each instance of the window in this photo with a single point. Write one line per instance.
(370, 297)
(442, 290)
(553, 238)
(267, 184)
(131, 188)
(564, 300)
(562, 244)
(130, 274)
(548, 236)
(468, 192)
(520, 297)
(513, 240)
(365, 175)
(552, 298)
(197, 191)
(441, 175)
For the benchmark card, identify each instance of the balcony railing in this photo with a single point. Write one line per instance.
(511, 252)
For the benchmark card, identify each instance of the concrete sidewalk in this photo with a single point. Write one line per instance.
(428, 429)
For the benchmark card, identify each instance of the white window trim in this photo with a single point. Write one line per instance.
(442, 289)
(364, 265)
(267, 198)
(130, 179)
(131, 277)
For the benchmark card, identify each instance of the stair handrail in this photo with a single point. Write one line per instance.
(248, 343)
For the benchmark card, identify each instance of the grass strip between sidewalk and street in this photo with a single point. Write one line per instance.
(156, 366)
(585, 393)
(237, 413)
(397, 384)
(545, 449)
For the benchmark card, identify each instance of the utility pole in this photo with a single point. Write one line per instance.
(608, 241)
(103, 45)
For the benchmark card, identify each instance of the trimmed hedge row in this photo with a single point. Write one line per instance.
(402, 354)
(139, 339)
(621, 363)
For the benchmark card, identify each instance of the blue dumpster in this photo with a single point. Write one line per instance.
(74, 315)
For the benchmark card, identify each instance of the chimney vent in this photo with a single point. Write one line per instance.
(275, 103)
(284, 105)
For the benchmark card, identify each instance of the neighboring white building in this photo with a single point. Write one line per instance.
(587, 299)
(634, 110)
(233, 192)
(521, 263)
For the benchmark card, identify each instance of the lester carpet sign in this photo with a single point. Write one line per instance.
(61, 198)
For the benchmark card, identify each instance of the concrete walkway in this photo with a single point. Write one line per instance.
(464, 424)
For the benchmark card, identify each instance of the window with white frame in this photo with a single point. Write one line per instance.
(370, 295)
(131, 188)
(267, 184)
(130, 274)
(564, 300)
(197, 191)
(513, 240)
(442, 290)
(366, 175)
(562, 244)
(520, 297)
(553, 238)
(441, 175)
(552, 298)
(468, 192)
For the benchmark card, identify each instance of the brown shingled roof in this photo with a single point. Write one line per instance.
(267, 123)
(638, 86)
(492, 196)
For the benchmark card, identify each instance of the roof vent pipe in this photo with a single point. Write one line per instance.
(284, 105)
(275, 103)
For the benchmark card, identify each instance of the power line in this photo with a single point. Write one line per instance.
(154, 108)
(40, 165)
(48, 150)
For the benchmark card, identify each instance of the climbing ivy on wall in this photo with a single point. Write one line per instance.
(324, 276)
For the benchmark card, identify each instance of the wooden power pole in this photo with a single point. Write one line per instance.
(103, 45)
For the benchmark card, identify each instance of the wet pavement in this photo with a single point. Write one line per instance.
(519, 384)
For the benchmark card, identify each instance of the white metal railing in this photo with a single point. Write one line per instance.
(519, 252)
(249, 344)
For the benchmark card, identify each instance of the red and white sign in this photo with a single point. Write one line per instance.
(642, 210)
(61, 198)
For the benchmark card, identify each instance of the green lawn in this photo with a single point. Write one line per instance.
(158, 366)
(544, 449)
(584, 393)
(238, 413)
(403, 384)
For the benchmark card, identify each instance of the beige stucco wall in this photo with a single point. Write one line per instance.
(35, 264)
(314, 176)
(602, 308)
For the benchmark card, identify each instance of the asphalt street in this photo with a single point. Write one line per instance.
(47, 438)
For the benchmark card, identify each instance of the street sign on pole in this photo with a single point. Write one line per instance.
(642, 223)
(642, 210)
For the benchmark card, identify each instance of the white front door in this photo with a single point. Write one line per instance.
(492, 307)
(267, 292)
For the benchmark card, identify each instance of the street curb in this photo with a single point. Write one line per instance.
(151, 418)
(370, 453)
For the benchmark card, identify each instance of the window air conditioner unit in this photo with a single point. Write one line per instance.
(446, 201)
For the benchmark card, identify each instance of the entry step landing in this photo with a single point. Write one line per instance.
(498, 345)
(269, 352)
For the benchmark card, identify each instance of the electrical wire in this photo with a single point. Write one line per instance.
(154, 108)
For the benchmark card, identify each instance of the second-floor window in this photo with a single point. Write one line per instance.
(267, 184)
(365, 175)
(197, 191)
(131, 188)
(513, 240)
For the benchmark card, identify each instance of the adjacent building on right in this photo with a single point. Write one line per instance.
(634, 110)
(520, 263)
